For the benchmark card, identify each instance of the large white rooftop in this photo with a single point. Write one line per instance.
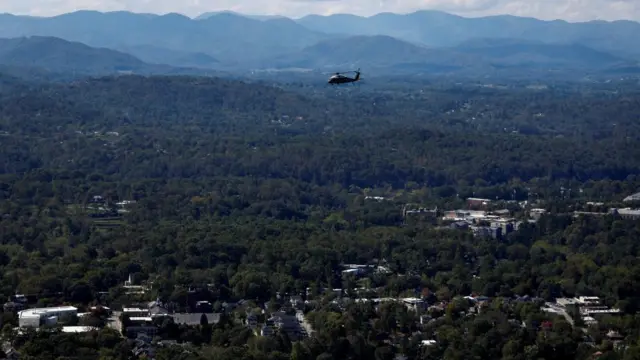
(134, 310)
(37, 312)
(634, 197)
(78, 329)
(141, 318)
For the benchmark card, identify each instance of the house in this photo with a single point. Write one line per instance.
(11, 354)
(459, 225)
(96, 308)
(413, 304)
(428, 342)
(143, 347)
(252, 321)
(267, 330)
(19, 298)
(204, 307)
(614, 335)
(141, 325)
(97, 199)
(282, 321)
(157, 308)
(11, 306)
(135, 312)
(296, 301)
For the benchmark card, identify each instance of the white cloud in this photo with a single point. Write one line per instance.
(572, 10)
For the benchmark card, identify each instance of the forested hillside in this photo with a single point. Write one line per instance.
(249, 195)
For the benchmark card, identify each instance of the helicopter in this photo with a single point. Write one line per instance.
(338, 78)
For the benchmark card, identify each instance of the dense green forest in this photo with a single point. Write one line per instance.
(254, 190)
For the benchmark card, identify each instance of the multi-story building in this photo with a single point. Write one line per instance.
(41, 316)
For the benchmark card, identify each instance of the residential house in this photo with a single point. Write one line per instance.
(142, 347)
(204, 307)
(252, 320)
(12, 307)
(413, 304)
(135, 312)
(296, 301)
(288, 323)
(141, 325)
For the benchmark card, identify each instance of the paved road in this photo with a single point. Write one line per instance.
(560, 311)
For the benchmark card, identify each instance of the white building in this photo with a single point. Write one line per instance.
(135, 312)
(634, 197)
(78, 329)
(37, 316)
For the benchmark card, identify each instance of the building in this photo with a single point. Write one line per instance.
(634, 197)
(507, 226)
(627, 213)
(140, 325)
(135, 312)
(204, 307)
(11, 307)
(290, 324)
(413, 304)
(536, 213)
(465, 215)
(477, 202)
(588, 305)
(39, 316)
(78, 329)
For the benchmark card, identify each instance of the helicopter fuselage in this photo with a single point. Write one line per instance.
(339, 79)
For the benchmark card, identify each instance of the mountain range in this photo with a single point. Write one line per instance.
(429, 41)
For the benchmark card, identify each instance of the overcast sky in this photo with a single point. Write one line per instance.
(571, 10)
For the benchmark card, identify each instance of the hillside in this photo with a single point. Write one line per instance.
(250, 38)
(424, 41)
(44, 58)
(207, 15)
(436, 28)
(157, 55)
(60, 55)
(385, 53)
(514, 52)
(369, 52)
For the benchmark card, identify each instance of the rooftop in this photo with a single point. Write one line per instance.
(634, 197)
(43, 311)
(141, 318)
(78, 329)
(134, 310)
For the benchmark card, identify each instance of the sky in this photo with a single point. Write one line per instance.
(570, 10)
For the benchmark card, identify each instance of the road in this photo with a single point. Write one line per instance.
(557, 309)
